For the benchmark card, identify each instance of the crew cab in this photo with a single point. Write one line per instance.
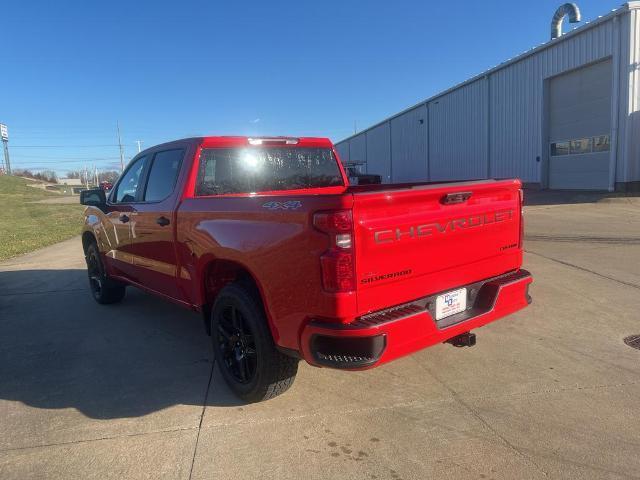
(287, 261)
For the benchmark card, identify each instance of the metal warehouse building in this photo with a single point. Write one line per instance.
(564, 115)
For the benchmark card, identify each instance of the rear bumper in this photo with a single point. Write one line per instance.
(383, 336)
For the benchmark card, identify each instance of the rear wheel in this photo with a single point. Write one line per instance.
(103, 289)
(244, 349)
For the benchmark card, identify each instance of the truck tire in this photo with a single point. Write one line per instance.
(244, 349)
(103, 289)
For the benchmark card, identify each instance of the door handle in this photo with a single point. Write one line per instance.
(124, 218)
(163, 221)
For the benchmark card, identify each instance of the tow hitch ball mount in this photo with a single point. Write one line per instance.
(466, 339)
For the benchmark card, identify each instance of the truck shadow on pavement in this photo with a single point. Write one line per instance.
(60, 349)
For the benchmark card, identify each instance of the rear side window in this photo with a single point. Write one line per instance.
(163, 175)
(128, 185)
(263, 169)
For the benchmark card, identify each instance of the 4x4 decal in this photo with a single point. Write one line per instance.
(289, 205)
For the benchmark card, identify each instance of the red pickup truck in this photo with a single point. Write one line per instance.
(286, 260)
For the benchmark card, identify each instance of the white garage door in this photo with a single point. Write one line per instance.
(579, 128)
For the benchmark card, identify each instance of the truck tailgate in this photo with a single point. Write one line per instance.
(410, 243)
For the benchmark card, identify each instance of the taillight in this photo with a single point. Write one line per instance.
(337, 263)
(521, 237)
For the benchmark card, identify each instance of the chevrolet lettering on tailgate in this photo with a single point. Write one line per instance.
(428, 229)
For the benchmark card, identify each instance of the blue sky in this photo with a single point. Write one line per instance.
(71, 69)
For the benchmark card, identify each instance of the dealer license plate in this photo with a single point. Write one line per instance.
(451, 303)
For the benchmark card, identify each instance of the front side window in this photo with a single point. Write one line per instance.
(128, 186)
(263, 169)
(163, 175)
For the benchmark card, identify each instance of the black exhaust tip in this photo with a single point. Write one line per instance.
(466, 339)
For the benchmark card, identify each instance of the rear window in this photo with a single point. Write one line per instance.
(163, 174)
(263, 169)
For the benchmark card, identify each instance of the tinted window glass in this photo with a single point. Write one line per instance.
(262, 169)
(163, 175)
(128, 186)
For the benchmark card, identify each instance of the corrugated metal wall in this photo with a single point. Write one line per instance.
(343, 151)
(517, 102)
(630, 114)
(458, 133)
(494, 126)
(378, 142)
(409, 146)
(358, 149)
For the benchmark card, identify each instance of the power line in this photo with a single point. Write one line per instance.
(49, 162)
(74, 146)
(65, 157)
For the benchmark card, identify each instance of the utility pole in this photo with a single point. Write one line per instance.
(95, 174)
(121, 150)
(86, 177)
(4, 133)
(355, 127)
(139, 142)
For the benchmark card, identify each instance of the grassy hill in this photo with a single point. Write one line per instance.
(25, 225)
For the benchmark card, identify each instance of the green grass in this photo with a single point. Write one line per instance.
(26, 226)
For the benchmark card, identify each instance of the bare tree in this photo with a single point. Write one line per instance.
(47, 176)
(23, 173)
(109, 176)
(44, 175)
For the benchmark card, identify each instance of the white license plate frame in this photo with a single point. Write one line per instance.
(450, 303)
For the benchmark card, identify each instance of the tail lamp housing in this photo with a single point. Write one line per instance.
(521, 237)
(337, 263)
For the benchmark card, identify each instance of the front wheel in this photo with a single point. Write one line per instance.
(103, 289)
(244, 349)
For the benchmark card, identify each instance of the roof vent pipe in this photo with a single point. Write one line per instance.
(570, 9)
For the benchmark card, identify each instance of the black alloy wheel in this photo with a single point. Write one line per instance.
(237, 344)
(95, 274)
(103, 289)
(251, 365)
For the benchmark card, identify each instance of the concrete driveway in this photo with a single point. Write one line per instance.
(130, 391)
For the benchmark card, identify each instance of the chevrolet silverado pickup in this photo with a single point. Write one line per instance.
(286, 261)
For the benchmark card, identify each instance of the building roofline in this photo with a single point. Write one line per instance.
(624, 8)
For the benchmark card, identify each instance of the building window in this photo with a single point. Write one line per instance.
(601, 143)
(580, 146)
(559, 148)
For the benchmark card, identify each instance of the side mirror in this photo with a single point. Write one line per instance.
(94, 198)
